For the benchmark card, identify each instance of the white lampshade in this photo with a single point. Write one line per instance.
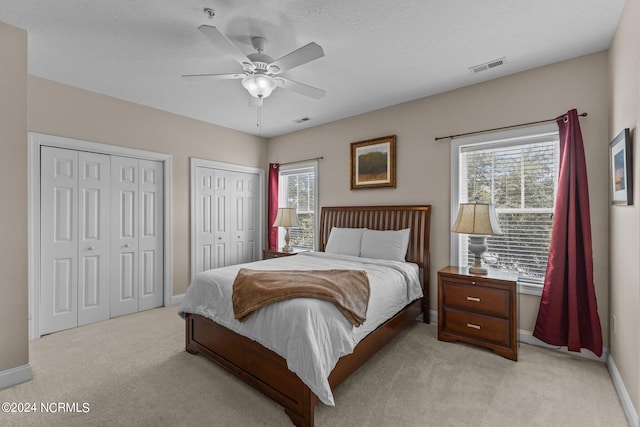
(477, 218)
(286, 217)
(259, 85)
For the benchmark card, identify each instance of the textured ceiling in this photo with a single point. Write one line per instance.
(377, 53)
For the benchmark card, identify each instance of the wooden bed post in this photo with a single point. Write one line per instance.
(307, 404)
(426, 287)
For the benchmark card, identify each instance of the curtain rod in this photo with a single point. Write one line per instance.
(301, 161)
(503, 127)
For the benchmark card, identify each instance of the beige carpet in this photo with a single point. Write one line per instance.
(133, 371)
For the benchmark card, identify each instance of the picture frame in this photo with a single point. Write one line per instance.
(373, 163)
(621, 169)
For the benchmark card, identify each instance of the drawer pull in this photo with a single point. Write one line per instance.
(475, 299)
(472, 326)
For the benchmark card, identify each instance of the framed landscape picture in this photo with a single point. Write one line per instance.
(621, 178)
(373, 163)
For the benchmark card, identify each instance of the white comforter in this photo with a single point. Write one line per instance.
(310, 334)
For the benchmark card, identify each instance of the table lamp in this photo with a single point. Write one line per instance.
(286, 217)
(478, 220)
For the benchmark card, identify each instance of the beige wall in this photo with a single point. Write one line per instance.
(624, 221)
(13, 193)
(423, 165)
(62, 110)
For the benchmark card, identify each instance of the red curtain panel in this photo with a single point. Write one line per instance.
(272, 210)
(568, 313)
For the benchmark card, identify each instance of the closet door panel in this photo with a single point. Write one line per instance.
(251, 218)
(204, 205)
(238, 218)
(124, 236)
(59, 239)
(222, 209)
(151, 289)
(94, 240)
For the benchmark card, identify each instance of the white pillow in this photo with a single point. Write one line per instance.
(389, 244)
(344, 241)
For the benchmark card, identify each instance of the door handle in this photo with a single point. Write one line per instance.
(90, 248)
(127, 245)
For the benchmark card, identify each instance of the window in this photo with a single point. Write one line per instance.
(297, 188)
(517, 172)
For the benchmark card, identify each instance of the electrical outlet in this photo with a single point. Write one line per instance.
(614, 321)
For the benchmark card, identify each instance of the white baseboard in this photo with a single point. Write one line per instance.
(15, 376)
(528, 338)
(625, 400)
(177, 299)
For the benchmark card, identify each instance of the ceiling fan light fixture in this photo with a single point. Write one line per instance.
(259, 85)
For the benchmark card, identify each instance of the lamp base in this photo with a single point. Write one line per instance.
(477, 270)
(286, 247)
(477, 245)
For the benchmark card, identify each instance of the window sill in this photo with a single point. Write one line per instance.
(529, 289)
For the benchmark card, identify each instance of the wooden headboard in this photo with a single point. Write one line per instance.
(415, 217)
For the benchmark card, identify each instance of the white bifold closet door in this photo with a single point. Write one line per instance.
(136, 235)
(74, 239)
(227, 218)
(101, 237)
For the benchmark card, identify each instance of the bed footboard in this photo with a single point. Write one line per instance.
(256, 365)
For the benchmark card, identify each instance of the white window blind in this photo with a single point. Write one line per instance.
(519, 176)
(297, 188)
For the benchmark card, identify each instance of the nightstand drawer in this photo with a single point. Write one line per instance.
(478, 299)
(478, 326)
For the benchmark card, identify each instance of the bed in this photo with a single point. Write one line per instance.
(268, 371)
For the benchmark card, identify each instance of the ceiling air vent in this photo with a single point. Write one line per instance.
(302, 120)
(488, 65)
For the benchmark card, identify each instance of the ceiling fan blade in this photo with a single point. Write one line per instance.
(215, 76)
(222, 42)
(298, 57)
(301, 88)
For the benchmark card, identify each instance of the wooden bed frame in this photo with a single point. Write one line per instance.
(265, 370)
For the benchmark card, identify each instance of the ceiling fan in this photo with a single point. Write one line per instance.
(261, 74)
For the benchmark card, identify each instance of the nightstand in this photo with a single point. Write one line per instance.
(271, 253)
(479, 309)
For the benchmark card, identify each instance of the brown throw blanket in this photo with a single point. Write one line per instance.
(347, 289)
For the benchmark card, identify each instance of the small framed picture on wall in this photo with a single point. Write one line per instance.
(373, 163)
(621, 169)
